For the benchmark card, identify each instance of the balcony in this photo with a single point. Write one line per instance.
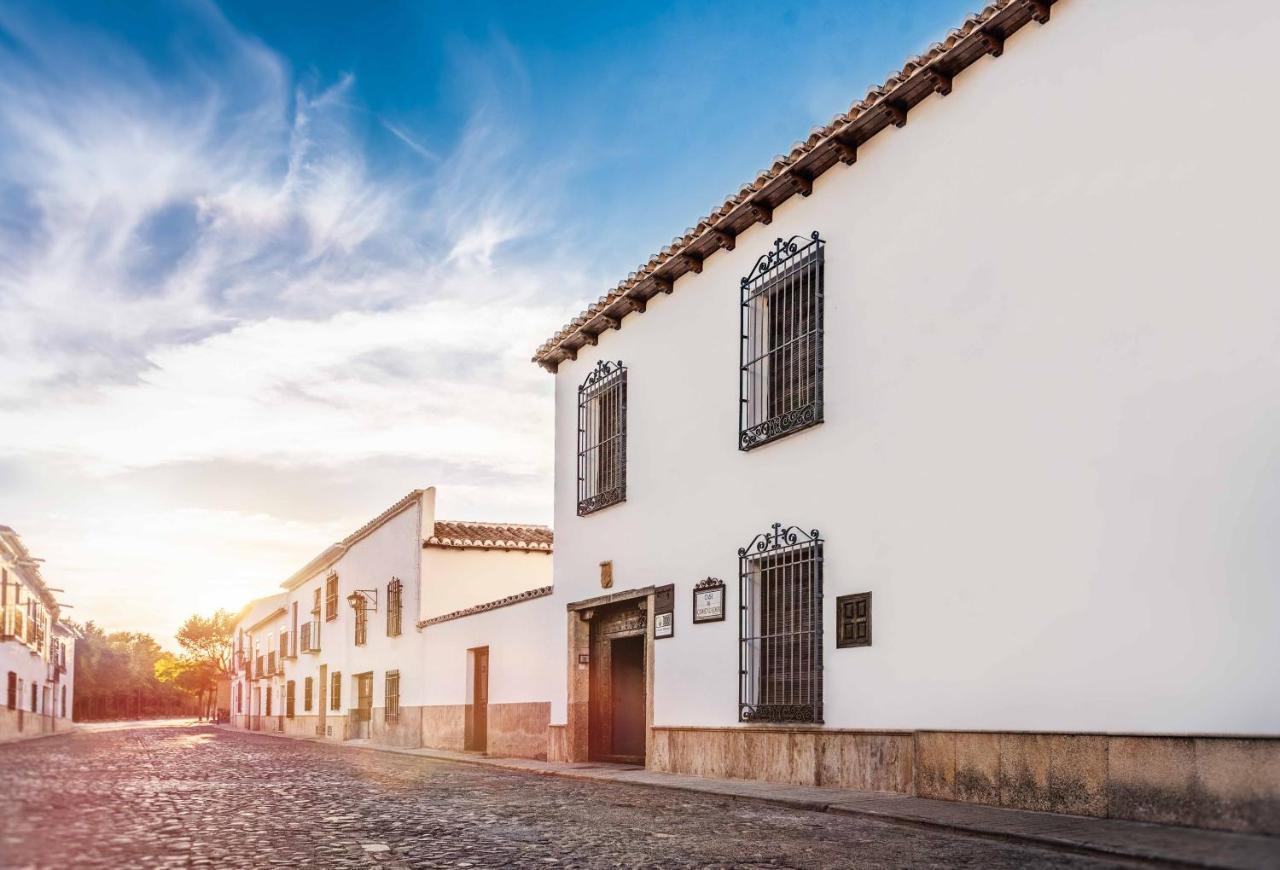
(309, 636)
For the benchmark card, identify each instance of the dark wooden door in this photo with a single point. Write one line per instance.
(628, 695)
(478, 736)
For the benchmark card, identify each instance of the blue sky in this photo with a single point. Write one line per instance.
(265, 267)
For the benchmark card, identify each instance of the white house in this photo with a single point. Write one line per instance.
(989, 364)
(37, 652)
(386, 636)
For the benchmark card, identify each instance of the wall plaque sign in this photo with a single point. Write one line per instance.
(708, 601)
(664, 611)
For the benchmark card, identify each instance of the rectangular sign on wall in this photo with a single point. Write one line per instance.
(708, 601)
(664, 611)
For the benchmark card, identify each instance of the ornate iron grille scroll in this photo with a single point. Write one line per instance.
(780, 385)
(780, 627)
(602, 437)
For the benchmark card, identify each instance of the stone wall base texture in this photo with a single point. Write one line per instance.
(1228, 783)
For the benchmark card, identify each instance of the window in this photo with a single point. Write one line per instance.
(290, 698)
(331, 598)
(602, 438)
(335, 691)
(307, 688)
(315, 603)
(239, 697)
(393, 607)
(35, 696)
(64, 702)
(268, 701)
(853, 620)
(780, 385)
(391, 710)
(11, 700)
(361, 606)
(780, 628)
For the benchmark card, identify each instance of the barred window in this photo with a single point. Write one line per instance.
(391, 706)
(335, 691)
(780, 386)
(602, 437)
(361, 606)
(780, 628)
(393, 607)
(315, 601)
(331, 598)
(308, 686)
(290, 698)
(11, 698)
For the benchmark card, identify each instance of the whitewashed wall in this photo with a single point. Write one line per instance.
(392, 550)
(456, 578)
(1052, 381)
(526, 652)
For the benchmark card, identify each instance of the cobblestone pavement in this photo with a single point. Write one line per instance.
(197, 796)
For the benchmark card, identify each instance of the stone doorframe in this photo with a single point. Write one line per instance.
(577, 742)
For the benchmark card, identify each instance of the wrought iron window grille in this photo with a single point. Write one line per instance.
(308, 690)
(335, 691)
(391, 705)
(602, 438)
(780, 355)
(394, 607)
(331, 598)
(780, 627)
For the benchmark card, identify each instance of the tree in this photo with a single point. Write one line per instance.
(207, 643)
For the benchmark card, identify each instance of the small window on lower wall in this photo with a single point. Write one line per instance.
(307, 688)
(391, 708)
(335, 691)
(853, 620)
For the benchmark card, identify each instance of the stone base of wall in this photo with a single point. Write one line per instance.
(875, 761)
(405, 731)
(1227, 783)
(444, 726)
(557, 743)
(23, 724)
(519, 730)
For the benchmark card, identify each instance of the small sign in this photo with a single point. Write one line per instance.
(664, 611)
(708, 601)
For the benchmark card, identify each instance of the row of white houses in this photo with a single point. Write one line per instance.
(940, 459)
(37, 650)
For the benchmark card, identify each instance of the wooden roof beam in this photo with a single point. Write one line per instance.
(1039, 11)
(663, 283)
(846, 149)
(761, 211)
(993, 41)
(802, 182)
(726, 238)
(692, 261)
(940, 81)
(897, 110)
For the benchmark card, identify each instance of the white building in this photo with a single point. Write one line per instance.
(411, 631)
(1007, 383)
(37, 652)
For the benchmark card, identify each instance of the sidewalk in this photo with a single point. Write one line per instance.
(1192, 847)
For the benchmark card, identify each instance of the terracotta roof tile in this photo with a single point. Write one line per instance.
(909, 85)
(489, 536)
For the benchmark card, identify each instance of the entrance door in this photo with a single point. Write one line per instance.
(477, 731)
(627, 678)
(364, 705)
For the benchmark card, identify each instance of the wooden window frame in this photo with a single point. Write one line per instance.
(290, 698)
(308, 694)
(395, 606)
(335, 691)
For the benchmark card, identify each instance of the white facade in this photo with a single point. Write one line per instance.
(441, 578)
(37, 652)
(1052, 357)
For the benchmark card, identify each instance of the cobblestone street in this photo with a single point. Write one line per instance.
(199, 796)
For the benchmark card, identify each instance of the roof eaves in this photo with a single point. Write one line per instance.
(887, 104)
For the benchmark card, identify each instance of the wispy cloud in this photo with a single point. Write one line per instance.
(208, 270)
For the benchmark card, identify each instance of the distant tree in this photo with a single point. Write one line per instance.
(116, 677)
(207, 643)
